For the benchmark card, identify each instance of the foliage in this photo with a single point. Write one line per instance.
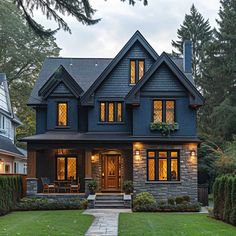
(164, 128)
(10, 192)
(179, 200)
(224, 198)
(128, 186)
(186, 198)
(198, 30)
(144, 202)
(29, 204)
(80, 9)
(187, 207)
(92, 186)
(53, 223)
(171, 201)
(21, 57)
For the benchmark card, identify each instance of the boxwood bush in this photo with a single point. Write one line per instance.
(10, 192)
(144, 202)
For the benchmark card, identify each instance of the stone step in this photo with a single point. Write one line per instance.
(108, 197)
(110, 206)
(109, 202)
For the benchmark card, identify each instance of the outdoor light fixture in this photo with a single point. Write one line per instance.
(192, 153)
(92, 158)
(1, 165)
(137, 155)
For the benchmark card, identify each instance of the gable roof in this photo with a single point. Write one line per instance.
(61, 75)
(136, 37)
(196, 98)
(83, 70)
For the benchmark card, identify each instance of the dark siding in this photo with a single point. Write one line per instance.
(72, 114)
(61, 89)
(185, 116)
(41, 120)
(163, 80)
(117, 83)
(83, 119)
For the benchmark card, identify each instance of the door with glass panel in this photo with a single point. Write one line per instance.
(66, 168)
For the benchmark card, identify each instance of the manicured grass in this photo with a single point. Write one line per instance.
(45, 223)
(168, 224)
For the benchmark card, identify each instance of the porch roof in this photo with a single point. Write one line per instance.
(98, 137)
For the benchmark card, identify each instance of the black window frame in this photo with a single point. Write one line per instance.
(115, 114)
(136, 69)
(164, 108)
(67, 114)
(66, 157)
(156, 164)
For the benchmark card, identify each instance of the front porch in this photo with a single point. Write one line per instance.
(109, 167)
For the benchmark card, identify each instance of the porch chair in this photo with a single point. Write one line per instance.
(75, 186)
(47, 186)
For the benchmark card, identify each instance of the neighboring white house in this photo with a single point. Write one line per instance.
(12, 159)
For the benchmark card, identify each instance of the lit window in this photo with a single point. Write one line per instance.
(62, 114)
(164, 111)
(66, 168)
(137, 69)
(111, 111)
(163, 166)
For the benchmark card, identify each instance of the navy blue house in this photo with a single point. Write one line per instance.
(132, 117)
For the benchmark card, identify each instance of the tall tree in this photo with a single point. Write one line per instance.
(198, 30)
(21, 56)
(53, 9)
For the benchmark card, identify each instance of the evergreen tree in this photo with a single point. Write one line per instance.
(53, 9)
(198, 30)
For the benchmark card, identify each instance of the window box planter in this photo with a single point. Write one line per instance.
(165, 128)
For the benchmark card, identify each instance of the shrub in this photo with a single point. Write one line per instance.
(171, 201)
(179, 200)
(233, 202)
(92, 186)
(228, 199)
(10, 192)
(144, 202)
(189, 207)
(29, 204)
(186, 198)
(128, 186)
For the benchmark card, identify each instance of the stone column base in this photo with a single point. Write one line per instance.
(31, 186)
(86, 189)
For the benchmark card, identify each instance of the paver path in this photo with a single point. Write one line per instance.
(105, 222)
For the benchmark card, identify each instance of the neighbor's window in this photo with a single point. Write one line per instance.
(137, 69)
(111, 111)
(66, 168)
(162, 165)
(164, 111)
(62, 114)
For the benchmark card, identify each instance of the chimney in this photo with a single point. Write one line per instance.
(187, 53)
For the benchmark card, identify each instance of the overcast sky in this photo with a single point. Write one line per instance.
(158, 22)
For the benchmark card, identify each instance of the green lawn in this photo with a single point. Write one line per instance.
(45, 223)
(168, 224)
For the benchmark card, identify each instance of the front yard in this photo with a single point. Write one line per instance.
(41, 223)
(168, 224)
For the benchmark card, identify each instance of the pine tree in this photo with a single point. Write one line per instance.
(198, 30)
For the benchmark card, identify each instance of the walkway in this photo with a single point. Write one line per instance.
(105, 222)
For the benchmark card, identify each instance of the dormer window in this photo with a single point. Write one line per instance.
(111, 112)
(137, 68)
(62, 114)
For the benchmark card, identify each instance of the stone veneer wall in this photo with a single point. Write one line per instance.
(161, 191)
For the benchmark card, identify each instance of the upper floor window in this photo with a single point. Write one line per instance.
(137, 68)
(163, 165)
(164, 111)
(111, 111)
(62, 112)
(2, 122)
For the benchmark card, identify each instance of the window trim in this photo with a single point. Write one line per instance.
(67, 113)
(163, 108)
(156, 165)
(115, 115)
(66, 157)
(136, 60)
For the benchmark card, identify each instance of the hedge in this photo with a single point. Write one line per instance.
(10, 192)
(224, 196)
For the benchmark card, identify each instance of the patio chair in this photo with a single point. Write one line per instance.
(47, 185)
(75, 186)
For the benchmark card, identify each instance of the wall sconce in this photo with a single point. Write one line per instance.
(192, 153)
(1, 165)
(137, 155)
(93, 158)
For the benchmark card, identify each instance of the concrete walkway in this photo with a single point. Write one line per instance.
(105, 222)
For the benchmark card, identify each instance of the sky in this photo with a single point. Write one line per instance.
(158, 22)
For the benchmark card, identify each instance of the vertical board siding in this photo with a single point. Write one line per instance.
(61, 89)
(41, 120)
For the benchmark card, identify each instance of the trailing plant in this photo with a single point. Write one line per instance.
(92, 186)
(128, 186)
(164, 128)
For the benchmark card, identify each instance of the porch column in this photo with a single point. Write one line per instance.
(88, 169)
(31, 180)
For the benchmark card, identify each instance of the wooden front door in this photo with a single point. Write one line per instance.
(111, 173)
